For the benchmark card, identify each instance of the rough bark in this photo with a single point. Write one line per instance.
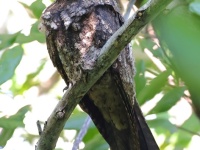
(75, 53)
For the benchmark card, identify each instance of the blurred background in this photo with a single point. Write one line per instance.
(167, 80)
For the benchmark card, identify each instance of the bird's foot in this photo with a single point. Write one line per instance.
(69, 85)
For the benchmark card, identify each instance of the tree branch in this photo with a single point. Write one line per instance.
(86, 124)
(109, 54)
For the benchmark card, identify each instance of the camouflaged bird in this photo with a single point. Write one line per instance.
(76, 30)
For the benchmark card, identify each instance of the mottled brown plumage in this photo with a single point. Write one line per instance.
(76, 31)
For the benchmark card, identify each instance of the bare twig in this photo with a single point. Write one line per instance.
(128, 10)
(82, 133)
(109, 54)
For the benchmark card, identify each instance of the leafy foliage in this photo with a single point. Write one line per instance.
(167, 77)
(10, 124)
(9, 61)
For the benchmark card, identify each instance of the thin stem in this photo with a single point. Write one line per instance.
(187, 130)
(128, 10)
(81, 133)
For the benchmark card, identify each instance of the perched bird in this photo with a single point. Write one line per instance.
(76, 30)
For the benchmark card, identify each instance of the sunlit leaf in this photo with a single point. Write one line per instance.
(29, 82)
(168, 100)
(140, 79)
(9, 61)
(5, 135)
(154, 87)
(7, 40)
(15, 120)
(179, 32)
(34, 35)
(161, 124)
(96, 142)
(139, 54)
(186, 131)
(28, 9)
(158, 52)
(195, 7)
(37, 7)
(9, 124)
(76, 121)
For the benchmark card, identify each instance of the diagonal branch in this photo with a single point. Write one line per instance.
(109, 54)
(86, 124)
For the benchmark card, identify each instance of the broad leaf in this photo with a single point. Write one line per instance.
(9, 124)
(8, 62)
(154, 87)
(7, 40)
(34, 35)
(195, 7)
(15, 120)
(96, 141)
(178, 31)
(6, 134)
(76, 121)
(139, 78)
(168, 100)
(37, 7)
(186, 131)
(161, 124)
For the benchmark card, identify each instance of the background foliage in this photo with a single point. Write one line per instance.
(167, 54)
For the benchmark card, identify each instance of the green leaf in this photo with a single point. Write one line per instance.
(9, 61)
(92, 139)
(15, 120)
(6, 134)
(34, 35)
(141, 55)
(162, 124)
(37, 7)
(186, 131)
(139, 78)
(158, 53)
(75, 121)
(96, 142)
(178, 31)
(195, 7)
(29, 82)
(168, 100)
(7, 40)
(9, 124)
(154, 87)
